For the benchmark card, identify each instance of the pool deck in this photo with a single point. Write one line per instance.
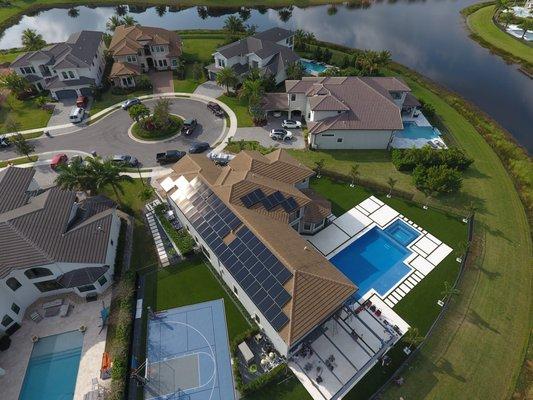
(426, 250)
(15, 359)
(407, 143)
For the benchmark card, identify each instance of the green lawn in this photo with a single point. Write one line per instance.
(200, 47)
(109, 99)
(481, 24)
(191, 282)
(9, 56)
(18, 161)
(240, 108)
(25, 112)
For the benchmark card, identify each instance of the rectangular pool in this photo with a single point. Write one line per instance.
(413, 131)
(53, 367)
(375, 260)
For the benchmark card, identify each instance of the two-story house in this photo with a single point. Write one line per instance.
(67, 69)
(246, 217)
(270, 51)
(138, 49)
(350, 112)
(51, 244)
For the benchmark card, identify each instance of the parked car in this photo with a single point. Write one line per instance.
(280, 134)
(169, 156)
(82, 101)
(58, 159)
(189, 125)
(198, 147)
(125, 160)
(220, 158)
(4, 142)
(291, 124)
(76, 114)
(130, 102)
(215, 109)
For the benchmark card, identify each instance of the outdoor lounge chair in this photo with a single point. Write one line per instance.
(63, 310)
(36, 317)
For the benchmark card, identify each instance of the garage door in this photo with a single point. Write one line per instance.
(66, 94)
(86, 91)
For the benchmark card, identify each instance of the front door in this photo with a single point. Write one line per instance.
(150, 62)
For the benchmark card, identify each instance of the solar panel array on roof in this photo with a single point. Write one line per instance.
(269, 202)
(250, 262)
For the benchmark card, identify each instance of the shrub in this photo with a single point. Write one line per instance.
(408, 159)
(144, 82)
(438, 179)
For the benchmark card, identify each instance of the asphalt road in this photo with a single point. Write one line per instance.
(109, 135)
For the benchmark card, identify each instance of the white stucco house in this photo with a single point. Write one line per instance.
(349, 112)
(270, 51)
(67, 69)
(51, 244)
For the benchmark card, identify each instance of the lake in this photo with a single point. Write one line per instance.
(428, 36)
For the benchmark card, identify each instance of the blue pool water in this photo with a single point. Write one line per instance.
(53, 367)
(312, 67)
(412, 131)
(375, 260)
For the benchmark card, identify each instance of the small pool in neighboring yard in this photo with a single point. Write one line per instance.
(53, 367)
(375, 260)
(312, 67)
(413, 131)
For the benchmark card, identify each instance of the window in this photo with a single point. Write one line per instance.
(39, 272)
(307, 227)
(15, 308)
(235, 291)
(102, 280)
(174, 62)
(27, 70)
(65, 76)
(86, 288)
(7, 320)
(294, 216)
(71, 74)
(112, 242)
(221, 63)
(339, 140)
(327, 134)
(13, 284)
(293, 97)
(131, 59)
(163, 63)
(48, 286)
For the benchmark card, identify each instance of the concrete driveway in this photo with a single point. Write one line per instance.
(61, 114)
(261, 134)
(210, 88)
(161, 81)
(109, 135)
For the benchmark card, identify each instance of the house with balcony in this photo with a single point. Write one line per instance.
(139, 49)
(247, 218)
(350, 112)
(52, 244)
(66, 69)
(270, 52)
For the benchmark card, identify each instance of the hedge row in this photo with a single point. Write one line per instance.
(409, 159)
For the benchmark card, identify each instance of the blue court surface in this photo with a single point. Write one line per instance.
(188, 354)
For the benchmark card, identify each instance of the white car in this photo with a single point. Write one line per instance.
(280, 134)
(291, 124)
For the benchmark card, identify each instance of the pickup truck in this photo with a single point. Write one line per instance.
(169, 156)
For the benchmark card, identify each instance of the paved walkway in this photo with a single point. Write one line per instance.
(162, 81)
(210, 88)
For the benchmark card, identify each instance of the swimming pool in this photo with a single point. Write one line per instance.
(413, 131)
(375, 260)
(312, 67)
(53, 367)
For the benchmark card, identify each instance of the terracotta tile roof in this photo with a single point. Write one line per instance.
(127, 39)
(317, 209)
(124, 69)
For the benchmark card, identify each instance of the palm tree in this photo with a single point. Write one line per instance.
(113, 22)
(412, 337)
(121, 10)
(245, 13)
(146, 193)
(526, 25)
(75, 176)
(22, 146)
(295, 70)
(300, 37)
(252, 90)
(73, 12)
(202, 12)
(391, 182)
(234, 25)
(128, 20)
(106, 173)
(31, 40)
(502, 5)
(285, 13)
(449, 291)
(227, 77)
(161, 10)
(354, 174)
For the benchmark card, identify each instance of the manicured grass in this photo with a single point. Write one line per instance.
(139, 132)
(9, 56)
(18, 161)
(240, 108)
(25, 112)
(287, 389)
(109, 99)
(185, 85)
(236, 146)
(482, 25)
(191, 282)
(201, 47)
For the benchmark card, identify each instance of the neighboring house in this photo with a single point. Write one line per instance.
(138, 49)
(270, 51)
(67, 69)
(350, 112)
(246, 218)
(51, 244)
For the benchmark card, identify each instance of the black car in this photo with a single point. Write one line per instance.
(4, 142)
(188, 126)
(169, 156)
(198, 147)
(215, 109)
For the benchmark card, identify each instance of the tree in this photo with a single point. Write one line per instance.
(15, 83)
(22, 146)
(75, 176)
(10, 125)
(319, 166)
(113, 22)
(106, 173)
(285, 14)
(437, 179)
(146, 193)
(354, 174)
(202, 12)
(250, 29)
(197, 72)
(234, 25)
(245, 13)
(506, 18)
(161, 10)
(128, 20)
(73, 12)
(121, 10)
(502, 5)
(526, 25)
(31, 40)
(161, 115)
(295, 71)
(412, 337)
(252, 90)
(449, 291)
(332, 9)
(391, 182)
(138, 112)
(226, 77)
(300, 39)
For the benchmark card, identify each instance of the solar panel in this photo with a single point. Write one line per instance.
(289, 205)
(252, 198)
(279, 321)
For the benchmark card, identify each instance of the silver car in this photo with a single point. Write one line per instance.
(130, 102)
(291, 124)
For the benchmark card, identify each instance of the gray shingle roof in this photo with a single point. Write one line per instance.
(56, 83)
(274, 34)
(38, 229)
